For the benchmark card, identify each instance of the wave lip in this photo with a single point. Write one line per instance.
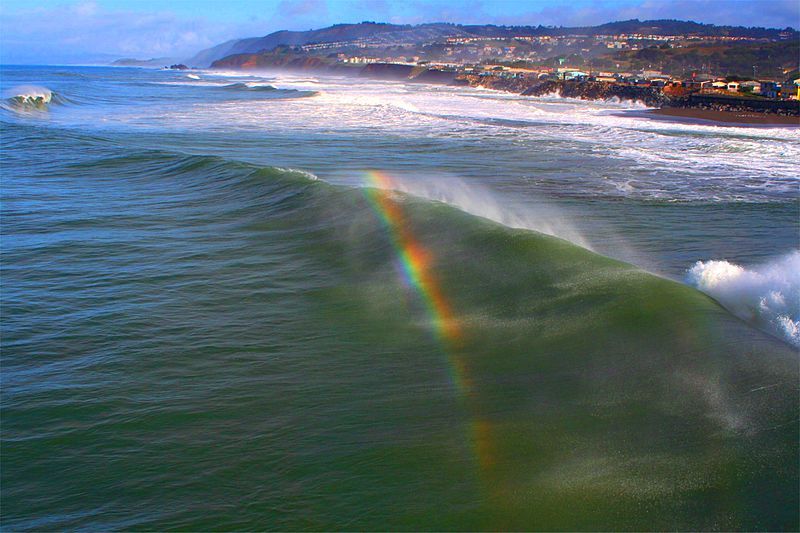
(768, 295)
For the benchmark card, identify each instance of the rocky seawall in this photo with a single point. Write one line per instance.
(596, 90)
(590, 90)
(649, 96)
(789, 108)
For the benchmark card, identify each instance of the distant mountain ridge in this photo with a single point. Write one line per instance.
(335, 33)
(153, 62)
(422, 33)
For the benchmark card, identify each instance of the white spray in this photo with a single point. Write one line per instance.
(482, 202)
(767, 294)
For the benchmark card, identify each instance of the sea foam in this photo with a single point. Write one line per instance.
(768, 295)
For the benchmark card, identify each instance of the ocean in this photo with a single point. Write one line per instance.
(290, 302)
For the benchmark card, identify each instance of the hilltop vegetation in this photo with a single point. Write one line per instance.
(734, 59)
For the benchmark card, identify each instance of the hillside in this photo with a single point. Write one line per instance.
(375, 34)
(734, 59)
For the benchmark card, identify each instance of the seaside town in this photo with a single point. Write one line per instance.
(664, 63)
(527, 57)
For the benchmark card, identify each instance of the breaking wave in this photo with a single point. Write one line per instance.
(29, 97)
(208, 289)
(240, 86)
(274, 92)
(768, 295)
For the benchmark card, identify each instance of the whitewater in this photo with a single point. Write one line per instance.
(287, 301)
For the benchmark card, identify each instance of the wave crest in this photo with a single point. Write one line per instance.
(28, 97)
(240, 86)
(768, 295)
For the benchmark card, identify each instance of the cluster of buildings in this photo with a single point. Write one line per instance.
(645, 78)
(521, 56)
(470, 49)
(789, 89)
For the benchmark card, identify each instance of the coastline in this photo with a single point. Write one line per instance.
(688, 115)
(697, 109)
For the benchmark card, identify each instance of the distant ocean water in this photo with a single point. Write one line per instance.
(283, 301)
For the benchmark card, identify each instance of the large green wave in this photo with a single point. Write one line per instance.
(277, 364)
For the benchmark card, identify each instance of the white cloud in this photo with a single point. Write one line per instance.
(86, 32)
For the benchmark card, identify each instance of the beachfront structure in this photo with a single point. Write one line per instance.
(770, 89)
(750, 86)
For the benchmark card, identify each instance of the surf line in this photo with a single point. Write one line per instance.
(416, 266)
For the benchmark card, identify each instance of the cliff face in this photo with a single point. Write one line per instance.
(378, 71)
(435, 77)
(386, 71)
(389, 71)
(261, 61)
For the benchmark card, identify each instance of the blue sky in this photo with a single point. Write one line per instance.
(83, 31)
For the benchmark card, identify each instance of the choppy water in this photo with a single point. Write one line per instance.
(285, 302)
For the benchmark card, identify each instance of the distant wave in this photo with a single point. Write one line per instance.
(768, 294)
(274, 92)
(28, 97)
(240, 86)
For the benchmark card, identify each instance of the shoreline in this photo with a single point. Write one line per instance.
(729, 112)
(686, 115)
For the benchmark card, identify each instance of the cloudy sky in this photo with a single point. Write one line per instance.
(87, 31)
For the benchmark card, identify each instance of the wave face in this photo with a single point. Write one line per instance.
(184, 329)
(768, 294)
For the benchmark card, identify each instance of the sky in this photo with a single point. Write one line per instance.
(98, 31)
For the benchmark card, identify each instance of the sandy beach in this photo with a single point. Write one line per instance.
(749, 118)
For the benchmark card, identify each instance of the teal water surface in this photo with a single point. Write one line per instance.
(209, 323)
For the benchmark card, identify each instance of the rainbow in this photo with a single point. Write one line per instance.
(416, 264)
